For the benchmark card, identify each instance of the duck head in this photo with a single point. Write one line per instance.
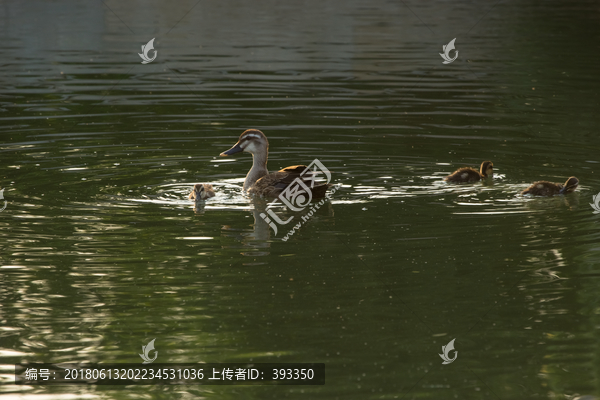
(487, 168)
(570, 185)
(201, 192)
(251, 141)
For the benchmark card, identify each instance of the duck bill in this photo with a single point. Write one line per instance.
(235, 149)
(568, 189)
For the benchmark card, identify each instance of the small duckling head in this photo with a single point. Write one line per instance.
(570, 185)
(251, 141)
(202, 191)
(487, 169)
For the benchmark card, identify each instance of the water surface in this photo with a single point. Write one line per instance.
(101, 250)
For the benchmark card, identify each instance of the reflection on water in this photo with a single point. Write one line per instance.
(101, 250)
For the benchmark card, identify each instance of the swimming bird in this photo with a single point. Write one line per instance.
(545, 188)
(468, 174)
(259, 181)
(202, 191)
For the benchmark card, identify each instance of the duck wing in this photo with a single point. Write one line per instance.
(273, 184)
(466, 174)
(543, 188)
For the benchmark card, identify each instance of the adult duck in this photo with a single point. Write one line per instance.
(545, 188)
(259, 182)
(468, 174)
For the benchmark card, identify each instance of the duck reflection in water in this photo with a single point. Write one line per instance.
(262, 233)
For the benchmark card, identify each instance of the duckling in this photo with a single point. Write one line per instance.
(259, 182)
(545, 188)
(202, 191)
(468, 174)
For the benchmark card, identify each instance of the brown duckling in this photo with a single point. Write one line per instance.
(202, 191)
(545, 188)
(262, 183)
(468, 174)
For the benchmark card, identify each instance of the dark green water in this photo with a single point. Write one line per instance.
(101, 251)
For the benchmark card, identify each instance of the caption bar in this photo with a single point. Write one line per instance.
(173, 374)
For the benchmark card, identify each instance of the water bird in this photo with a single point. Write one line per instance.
(202, 191)
(545, 188)
(259, 182)
(469, 174)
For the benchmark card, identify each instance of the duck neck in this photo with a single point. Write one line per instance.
(258, 170)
